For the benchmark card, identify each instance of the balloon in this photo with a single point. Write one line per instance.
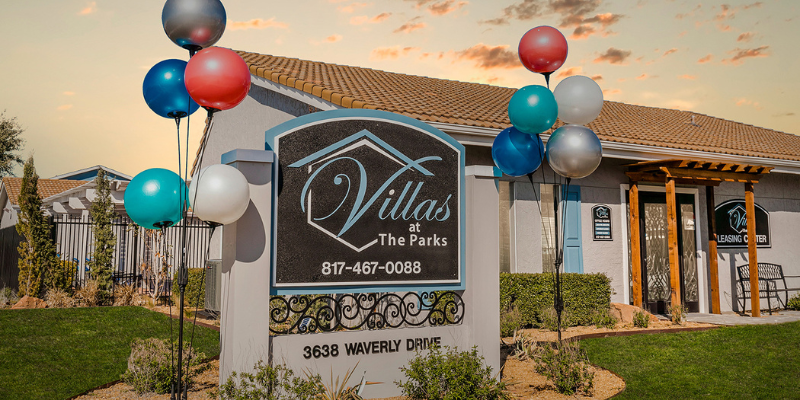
(543, 49)
(164, 91)
(517, 153)
(153, 198)
(219, 193)
(217, 78)
(533, 109)
(574, 151)
(193, 24)
(579, 99)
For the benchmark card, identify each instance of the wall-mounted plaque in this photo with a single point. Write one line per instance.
(366, 198)
(731, 220)
(601, 222)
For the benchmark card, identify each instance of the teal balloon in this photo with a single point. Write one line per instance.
(155, 197)
(517, 153)
(533, 109)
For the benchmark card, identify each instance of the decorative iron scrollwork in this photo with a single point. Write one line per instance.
(325, 313)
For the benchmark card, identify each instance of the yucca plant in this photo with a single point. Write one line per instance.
(336, 390)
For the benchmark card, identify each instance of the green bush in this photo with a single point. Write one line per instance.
(532, 294)
(604, 319)
(641, 319)
(510, 322)
(794, 303)
(567, 365)
(149, 365)
(195, 294)
(270, 383)
(549, 319)
(450, 375)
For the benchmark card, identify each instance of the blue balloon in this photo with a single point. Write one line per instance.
(533, 109)
(517, 153)
(164, 90)
(153, 199)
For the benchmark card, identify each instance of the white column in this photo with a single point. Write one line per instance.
(246, 257)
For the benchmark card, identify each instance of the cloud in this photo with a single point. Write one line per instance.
(68, 93)
(391, 53)
(786, 114)
(611, 92)
(363, 19)
(410, 26)
(490, 57)
(670, 51)
(740, 54)
(681, 104)
(569, 72)
(745, 37)
(743, 101)
(576, 14)
(645, 76)
(333, 38)
(256, 23)
(64, 107)
(691, 13)
(706, 59)
(613, 56)
(90, 8)
(351, 8)
(687, 77)
(445, 7)
(597, 77)
(419, 3)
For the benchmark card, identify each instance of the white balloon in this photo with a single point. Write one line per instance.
(219, 193)
(579, 99)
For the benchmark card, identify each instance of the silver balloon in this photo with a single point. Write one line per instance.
(574, 151)
(579, 100)
(194, 24)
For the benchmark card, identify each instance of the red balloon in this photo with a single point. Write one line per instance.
(543, 49)
(217, 78)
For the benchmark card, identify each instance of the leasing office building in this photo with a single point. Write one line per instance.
(647, 153)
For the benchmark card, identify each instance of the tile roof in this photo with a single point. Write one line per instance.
(480, 105)
(47, 187)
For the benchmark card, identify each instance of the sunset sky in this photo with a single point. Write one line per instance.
(72, 70)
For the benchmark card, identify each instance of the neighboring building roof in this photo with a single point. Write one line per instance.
(90, 173)
(47, 187)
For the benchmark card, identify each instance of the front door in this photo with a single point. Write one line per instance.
(656, 289)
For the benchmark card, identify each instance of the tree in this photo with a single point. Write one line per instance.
(104, 240)
(10, 142)
(39, 266)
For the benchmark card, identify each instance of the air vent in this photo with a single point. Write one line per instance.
(213, 285)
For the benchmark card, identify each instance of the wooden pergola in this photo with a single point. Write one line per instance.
(693, 172)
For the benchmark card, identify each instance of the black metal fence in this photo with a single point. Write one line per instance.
(145, 258)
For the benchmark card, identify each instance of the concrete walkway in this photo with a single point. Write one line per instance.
(777, 317)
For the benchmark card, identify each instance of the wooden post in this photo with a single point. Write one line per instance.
(712, 250)
(636, 248)
(674, 257)
(755, 301)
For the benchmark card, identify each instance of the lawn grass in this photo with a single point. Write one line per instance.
(59, 353)
(743, 362)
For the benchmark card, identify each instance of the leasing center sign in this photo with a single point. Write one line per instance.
(731, 218)
(364, 199)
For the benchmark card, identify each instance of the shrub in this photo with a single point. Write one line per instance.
(641, 319)
(195, 293)
(567, 365)
(510, 322)
(58, 298)
(8, 297)
(149, 365)
(532, 294)
(794, 302)
(678, 314)
(90, 294)
(549, 319)
(127, 295)
(604, 319)
(271, 383)
(450, 375)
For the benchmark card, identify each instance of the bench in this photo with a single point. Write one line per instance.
(771, 282)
